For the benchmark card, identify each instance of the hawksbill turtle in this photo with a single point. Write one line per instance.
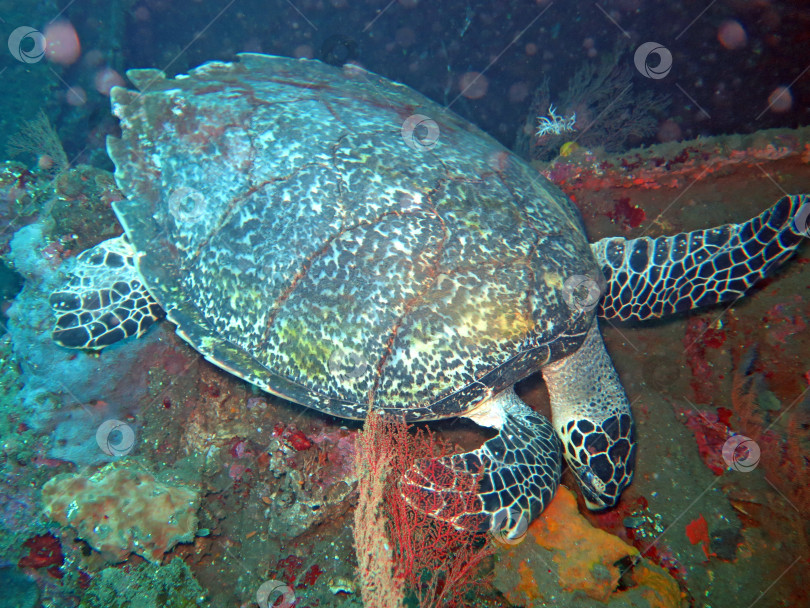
(338, 239)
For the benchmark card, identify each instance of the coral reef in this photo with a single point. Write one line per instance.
(81, 208)
(679, 374)
(145, 586)
(277, 477)
(23, 194)
(119, 511)
(677, 165)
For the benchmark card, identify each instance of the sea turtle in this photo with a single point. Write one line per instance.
(337, 239)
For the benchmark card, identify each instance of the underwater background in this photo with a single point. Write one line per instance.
(145, 476)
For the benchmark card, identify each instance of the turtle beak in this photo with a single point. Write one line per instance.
(592, 506)
(589, 484)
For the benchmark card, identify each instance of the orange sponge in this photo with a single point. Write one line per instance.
(585, 556)
(563, 554)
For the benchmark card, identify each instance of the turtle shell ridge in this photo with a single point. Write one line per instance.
(336, 238)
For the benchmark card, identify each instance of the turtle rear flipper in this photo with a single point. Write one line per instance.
(518, 472)
(104, 300)
(650, 278)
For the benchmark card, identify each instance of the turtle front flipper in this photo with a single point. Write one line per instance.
(590, 411)
(649, 278)
(104, 300)
(518, 471)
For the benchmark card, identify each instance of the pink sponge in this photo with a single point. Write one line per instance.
(119, 511)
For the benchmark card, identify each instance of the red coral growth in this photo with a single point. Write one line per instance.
(55, 253)
(288, 568)
(310, 577)
(299, 441)
(238, 448)
(84, 580)
(697, 531)
(635, 512)
(614, 520)
(664, 557)
(650, 169)
(561, 172)
(44, 551)
(293, 437)
(626, 214)
(699, 337)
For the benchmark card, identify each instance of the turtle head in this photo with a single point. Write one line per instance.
(602, 456)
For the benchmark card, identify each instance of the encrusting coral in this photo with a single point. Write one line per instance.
(119, 511)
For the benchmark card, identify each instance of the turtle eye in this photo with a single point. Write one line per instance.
(592, 488)
(590, 479)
